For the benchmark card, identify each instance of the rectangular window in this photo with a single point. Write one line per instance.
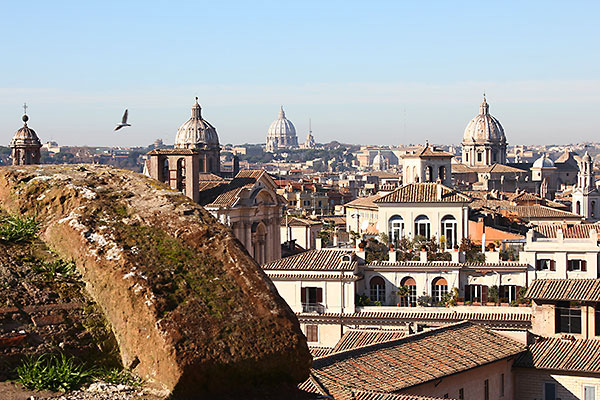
(312, 333)
(486, 390)
(311, 298)
(501, 385)
(545, 265)
(461, 394)
(576, 265)
(549, 391)
(568, 318)
(589, 392)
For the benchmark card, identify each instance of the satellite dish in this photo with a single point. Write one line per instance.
(364, 225)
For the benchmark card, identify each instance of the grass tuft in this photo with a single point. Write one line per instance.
(60, 373)
(53, 269)
(18, 228)
(51, 372)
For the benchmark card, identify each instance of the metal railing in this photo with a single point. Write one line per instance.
(313, 308)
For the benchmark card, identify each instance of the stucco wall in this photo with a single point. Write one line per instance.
(472, 382)
(529, 384)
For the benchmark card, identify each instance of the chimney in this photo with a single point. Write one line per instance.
(423, 256)
(318, 243)
(492, 257)
(236, 165)
(457, 256)
(392, 255)
(594, 236)
(560, 237)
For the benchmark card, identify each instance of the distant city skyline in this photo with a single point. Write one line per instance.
(376, 73)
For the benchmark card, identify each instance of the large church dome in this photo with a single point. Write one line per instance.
(484, 128)
(281, 133)
(196, 132)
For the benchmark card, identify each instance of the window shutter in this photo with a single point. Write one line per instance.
(583, 265)
(552, 265)
(319, 295)
(538, 265)
(303, 295)
(484, 294)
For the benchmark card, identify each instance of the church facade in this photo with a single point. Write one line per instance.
(247, 202)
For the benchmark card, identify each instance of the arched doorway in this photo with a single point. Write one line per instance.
(422, 226)
(395, 229)
(439, 288)
(181, 175)
(411, 299)
(450, 231)
(377, 286)
(165, 171)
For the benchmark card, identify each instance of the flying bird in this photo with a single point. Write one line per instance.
(123, 122)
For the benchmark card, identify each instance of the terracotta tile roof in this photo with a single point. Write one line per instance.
(368, 202)
(295, 221)
(446, 264)
(478, 315)
(525, 196)
(414, 359)
(227, 193)
(564, 290)
(366, 395)
(574, 355)
(318, 351)
(320, 277)
(574, 231)
(315, 260)
(424, 193)
(363, 337)
(539, 211)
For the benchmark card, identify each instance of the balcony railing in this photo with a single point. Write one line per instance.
(313, 308)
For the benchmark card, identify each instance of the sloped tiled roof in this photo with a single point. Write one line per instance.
(315, 260)
(424, 193)
(363, 337)
(447, 264)
(574, 355)
(368, 201)
(226, 193)
(414, 359)
(564, 290)
(295, 221)
(574, 231)
(318, 351)
(479, 315)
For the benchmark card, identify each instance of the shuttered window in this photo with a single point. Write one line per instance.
(577, 265)
(312, 333)
(545, 265)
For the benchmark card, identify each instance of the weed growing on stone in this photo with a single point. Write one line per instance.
(58, 373)
(118, 376)
(17, 228)
(53, 269)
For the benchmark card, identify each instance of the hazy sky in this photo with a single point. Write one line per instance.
(380, 72)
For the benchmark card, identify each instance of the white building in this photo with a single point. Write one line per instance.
(425, 209)
(427, 165)
(586, 197)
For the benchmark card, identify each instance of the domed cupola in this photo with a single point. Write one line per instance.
(196, 133)
(484, 128)
(25, 145)
(484, 141)
(281, 133)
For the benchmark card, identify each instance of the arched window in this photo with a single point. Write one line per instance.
(422, 226)
(578, 207)
(414, 174)
(259, 247)
(442, 173)
(439, 287)
(479, 156)
(411, 299)
(377, 285)
(428, 174)
(181, 175)
(450, 231)
(165, 171)
(395, 229)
